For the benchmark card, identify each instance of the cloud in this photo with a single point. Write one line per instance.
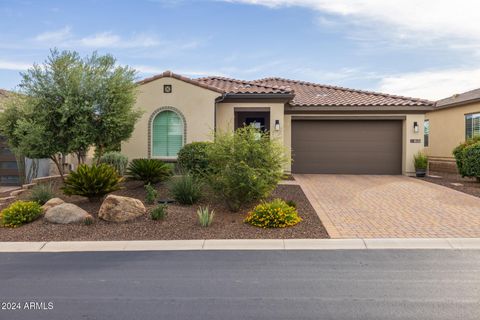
(436, 84)
(54, 36)
(404, 19)
(146, 69)
(13, 65)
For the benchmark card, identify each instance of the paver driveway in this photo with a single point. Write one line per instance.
(352, 206)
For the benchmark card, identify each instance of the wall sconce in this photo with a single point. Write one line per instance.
(277, 125)
(415, 127)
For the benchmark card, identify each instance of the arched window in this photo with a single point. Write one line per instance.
(167, 134)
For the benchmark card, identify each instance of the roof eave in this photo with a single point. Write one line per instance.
(282, 97)
(457, 104)
(360, 108)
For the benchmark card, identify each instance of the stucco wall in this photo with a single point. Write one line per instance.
(408, 150)
(196, 104)
(447, 130)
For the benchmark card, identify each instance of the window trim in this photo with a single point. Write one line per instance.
(426, 142)
(150, 132)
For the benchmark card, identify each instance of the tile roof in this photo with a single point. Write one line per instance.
(313, 94)
(304, 93)
(459, 99)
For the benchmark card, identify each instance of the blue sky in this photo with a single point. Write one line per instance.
(427, 49)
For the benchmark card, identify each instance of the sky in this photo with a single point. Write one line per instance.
(420, 48)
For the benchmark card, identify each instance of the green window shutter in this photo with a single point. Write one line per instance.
(167, 134)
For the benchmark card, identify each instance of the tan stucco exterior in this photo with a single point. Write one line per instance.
(196, 105)
(447, 130)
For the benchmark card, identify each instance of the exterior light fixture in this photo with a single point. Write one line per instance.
(415, 127)
(277, 125)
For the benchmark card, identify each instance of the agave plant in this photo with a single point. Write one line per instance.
(93, 181)
(205, 216)
(149, 170)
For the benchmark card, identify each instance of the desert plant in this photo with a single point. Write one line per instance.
(420, 161)
(471, 161)
(88, 221)
(186, 189)
(92, 181)
(159, 212)
(151, 195)
(244, 166)
(459, 156)
(273, 214)
(20, 212)
(41, 193)
(205, 216)
(291, 203)
(116, 160)
(193, 158)
(149, 170)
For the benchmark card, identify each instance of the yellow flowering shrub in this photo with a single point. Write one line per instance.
(20, 212)
(274, 214)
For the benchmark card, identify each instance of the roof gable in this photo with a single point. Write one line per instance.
(170, 74)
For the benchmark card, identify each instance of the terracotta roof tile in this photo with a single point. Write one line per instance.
(170, 74)
(459, 99)
(240, 86)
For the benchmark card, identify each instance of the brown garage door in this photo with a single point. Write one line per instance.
(347, 146)
(8, 165)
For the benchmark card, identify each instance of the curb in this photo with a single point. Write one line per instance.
(244, 244)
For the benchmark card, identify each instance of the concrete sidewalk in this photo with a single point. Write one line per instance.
(243, 244)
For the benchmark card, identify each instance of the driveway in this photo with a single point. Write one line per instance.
(356, 206)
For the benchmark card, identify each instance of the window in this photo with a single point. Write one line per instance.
(426, 132)
(472, 125)
(167, 134)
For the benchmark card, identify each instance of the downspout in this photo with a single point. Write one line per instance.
(217, 101)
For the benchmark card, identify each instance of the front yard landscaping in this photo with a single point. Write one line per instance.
(180, 223)
(454, 181)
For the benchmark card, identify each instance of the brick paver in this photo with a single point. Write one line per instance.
(352, 206)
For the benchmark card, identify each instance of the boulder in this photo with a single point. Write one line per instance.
(52, 203)
(66, 213)
(120, 209)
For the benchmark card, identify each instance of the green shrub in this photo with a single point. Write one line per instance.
(88, 221)
(41, 193)
(193, 158)
(149, 170)
(458, 153)
(205, 216)
(151, 195)
(420, 160)
(159, 212)
(471, 161)
(92, 181)
(116, 160)
(244, 166)
(20, 212)
(291, 203)
(186, 189)
(274, 214)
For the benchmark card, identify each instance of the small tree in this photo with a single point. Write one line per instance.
(244, 166)
(458, 153)
(471, 161)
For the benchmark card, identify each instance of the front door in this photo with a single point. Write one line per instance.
(260, 120)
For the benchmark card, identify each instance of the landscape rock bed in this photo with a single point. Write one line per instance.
(181, 222)
(454, 181)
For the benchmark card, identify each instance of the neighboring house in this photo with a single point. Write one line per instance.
(327, 129)
(8, 165)
(454, 120)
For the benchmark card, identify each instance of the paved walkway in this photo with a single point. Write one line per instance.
(7, 189)
(390, 207)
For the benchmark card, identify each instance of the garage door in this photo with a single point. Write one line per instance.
(8, 165)
(347, 146)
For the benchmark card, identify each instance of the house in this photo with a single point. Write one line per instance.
(9, 174)
(453, 120)
(327, 129)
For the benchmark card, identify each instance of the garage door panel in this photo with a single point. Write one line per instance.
(347, 147)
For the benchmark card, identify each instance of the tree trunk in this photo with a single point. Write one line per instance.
(59, 165)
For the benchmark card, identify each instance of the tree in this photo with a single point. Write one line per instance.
(71, 104)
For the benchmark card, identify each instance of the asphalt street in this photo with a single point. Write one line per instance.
(337, 284)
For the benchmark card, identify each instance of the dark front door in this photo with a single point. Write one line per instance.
(347, 146)
(260, 120)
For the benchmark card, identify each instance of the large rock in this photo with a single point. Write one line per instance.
(66, 213)
(120, 209)
(52, 203)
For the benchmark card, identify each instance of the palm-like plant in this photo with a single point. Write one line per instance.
(149, 170)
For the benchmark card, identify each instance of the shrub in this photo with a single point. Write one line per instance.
(291, 203)
(186, 189)
(205, 216)
(92, 182)
(244, 166)
(41, 193)
(159, 212)
(20, 212)
(458, 153)
(471, 161)
(151, 195)
(420, 160)
(193, 158)
(149, 170)
(88, 221)
(116, 160)
(274, 214)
